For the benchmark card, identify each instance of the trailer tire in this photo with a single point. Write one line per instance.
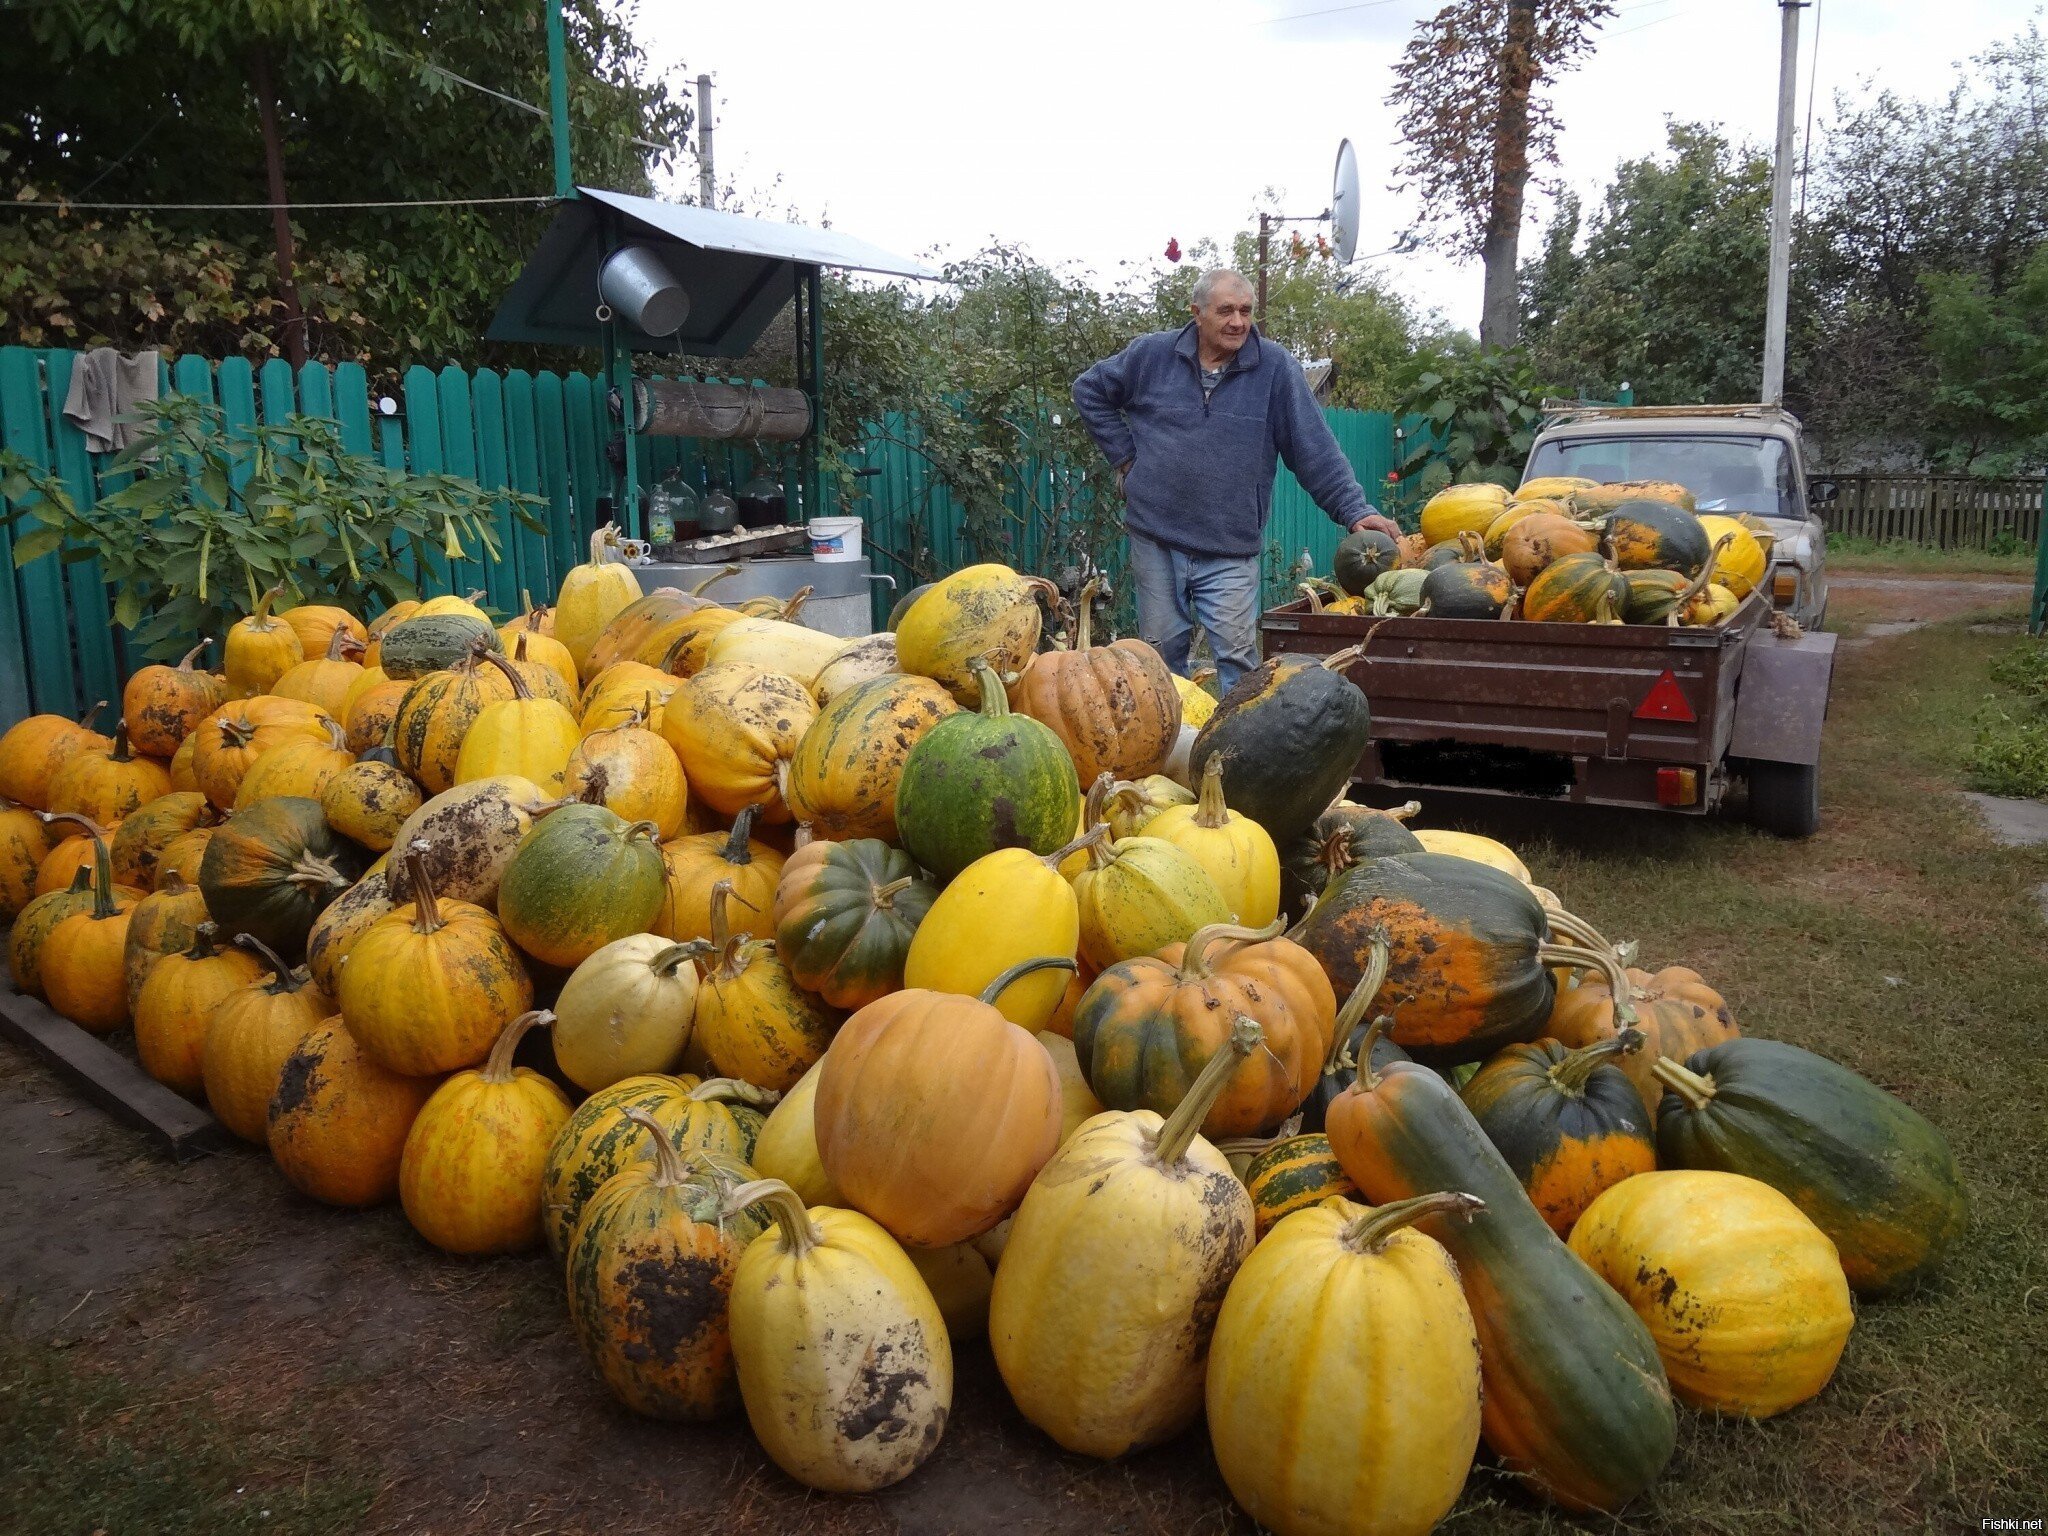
(1784, 798)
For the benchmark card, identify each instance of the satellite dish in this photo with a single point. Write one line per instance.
(1344, 203)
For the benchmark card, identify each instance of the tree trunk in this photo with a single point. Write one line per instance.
(293, 331)
(1500, 316)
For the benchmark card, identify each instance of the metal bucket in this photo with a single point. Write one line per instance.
(638, 284)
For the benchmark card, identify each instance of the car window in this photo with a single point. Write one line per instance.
(1724, 474)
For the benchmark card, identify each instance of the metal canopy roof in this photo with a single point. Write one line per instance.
(738, 272)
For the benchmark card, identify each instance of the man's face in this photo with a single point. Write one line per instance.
(1226, 320)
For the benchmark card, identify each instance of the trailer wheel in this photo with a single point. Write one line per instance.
(1784, 798)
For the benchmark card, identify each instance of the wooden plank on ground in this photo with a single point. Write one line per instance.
(106, 1077)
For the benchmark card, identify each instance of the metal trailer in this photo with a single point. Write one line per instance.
(1624, 715)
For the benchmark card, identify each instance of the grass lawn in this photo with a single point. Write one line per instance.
(1848, 552)
(1899, 941)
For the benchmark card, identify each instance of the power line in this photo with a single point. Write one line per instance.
(1335, 10)
(1812, 85)
(497, 95)
(417, 202)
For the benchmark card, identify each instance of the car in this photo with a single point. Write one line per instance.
(1733, 458)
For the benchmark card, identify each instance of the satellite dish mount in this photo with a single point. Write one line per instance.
(1342, 215)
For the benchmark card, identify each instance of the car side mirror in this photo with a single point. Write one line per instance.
(1822, 492)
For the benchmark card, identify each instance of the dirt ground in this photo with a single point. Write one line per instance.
(456, 1389)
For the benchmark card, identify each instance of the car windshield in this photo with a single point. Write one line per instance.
(1724, 474)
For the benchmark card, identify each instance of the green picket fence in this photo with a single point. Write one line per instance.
(542, 433)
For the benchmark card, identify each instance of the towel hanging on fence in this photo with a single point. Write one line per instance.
(105, 389)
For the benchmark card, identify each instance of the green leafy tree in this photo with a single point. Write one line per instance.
(1470, 413)
(158, 101)
(1990, 355)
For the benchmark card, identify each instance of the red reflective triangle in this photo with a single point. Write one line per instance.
(1666, 701)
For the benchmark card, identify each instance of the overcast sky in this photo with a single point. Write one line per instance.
(1091, 131)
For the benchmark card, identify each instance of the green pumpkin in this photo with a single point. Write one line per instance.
(1645, 535)
(1293, 1175)
(1450, 552)
(581, 877)
(978, 782)
(1344, 835)
(415, 647)
(1290, 735)
(1651, 597)
(1865, 1166)
(1469, 587)
(845, 915)
(272, 868)
(1363, 556)
(1470, 965)
(1575, 589)
(902, 604)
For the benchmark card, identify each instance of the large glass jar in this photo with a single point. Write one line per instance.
(762, 504)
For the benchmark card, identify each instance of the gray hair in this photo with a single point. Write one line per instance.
(1207, 284)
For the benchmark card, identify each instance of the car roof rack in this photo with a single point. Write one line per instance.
(1591, 410)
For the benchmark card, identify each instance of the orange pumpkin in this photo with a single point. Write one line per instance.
(161, 704)
(934, 1112)
(752, 1020)
(24, 844)
(1675, 1009)
(252, 1033)
(631, 771)
(69, 853)
(1148, 1026)
(338, 1121)
(163, 923)
(32, 750)
(235, 735)
(139, 844)
(1114, 706)
(694, 865)
(326, 676)
(183, 780)
(80, 963)
(33, 926)
(317, 625)
(107, 784)
(174, 1006)
(373, 710)
(183, 855)
(301, 769)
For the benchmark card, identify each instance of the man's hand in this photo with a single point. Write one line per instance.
(1384, 525)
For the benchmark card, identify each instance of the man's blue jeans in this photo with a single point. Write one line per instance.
(1175, 590)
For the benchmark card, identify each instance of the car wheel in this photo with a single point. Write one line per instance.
(1784, 798)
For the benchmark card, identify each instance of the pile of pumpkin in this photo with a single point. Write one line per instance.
(1560, 550)
(868, 1032)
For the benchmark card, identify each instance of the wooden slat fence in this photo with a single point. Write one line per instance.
(1938, 511)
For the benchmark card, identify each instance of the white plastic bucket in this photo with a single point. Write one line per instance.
(835, 538)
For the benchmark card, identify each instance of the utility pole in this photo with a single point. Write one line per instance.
(707, 180)
(558, 100)
(1781, 207)
(1265, 226)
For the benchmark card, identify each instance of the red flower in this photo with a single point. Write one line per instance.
(1172, 249)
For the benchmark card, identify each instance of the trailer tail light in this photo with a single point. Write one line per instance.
(1678, 786)
(1785, 588)
(1666, 701)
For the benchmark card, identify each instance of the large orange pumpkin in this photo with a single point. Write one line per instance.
(235, 735)
(34, 749)
(631, 771)
(934, 1112)
(163, 923)
(326, 676)
(300, 769)
(696, 864)
(1114, 706)
(250, 1036)
(107, 784)
(1675, 1009)
(80, 963)
(174, 1006)
(161, 704)
(24, 844)
(316, 625)
(338, 1121)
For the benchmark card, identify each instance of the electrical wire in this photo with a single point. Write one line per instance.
(1812, 85)
(1335, 10)
(511, 101)
(417, 202)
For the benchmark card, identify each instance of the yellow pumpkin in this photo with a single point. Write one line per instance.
(435, 717)
(233, 737)
(259, 650)
(843, 777)
(689, 652)
(470, 1174)
(1470, 845)
(592, 594)
(251, 1035)
(776, 645)
(1743, 1294)
(182, 776)
(327, 677)
(1197, 703)
(1343, 1383)
(1460, 509)
(523, 735)
(960, 1279)
(1741, 565)
(1003, 909)
(632, 771)
(139, 844)
(647, 627)
(527, 639)
(862, 661)
(627, 1010)
(983, 613)
(1140, 894)
(339, 1120)
(449, 603)
(1102, 1306)
(317, 624)
(753, 1021)
(24, 844)
(694, 866)
(735, 728)
(1235, 851)
(817, 1303)
(788, 1145)
(369, 801)
(108, 785)
(174, 1006)
(79, 965)
(302, 768)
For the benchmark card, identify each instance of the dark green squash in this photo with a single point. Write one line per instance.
(1470, 967)
(1569, 1122)
(1293, 1175)
(1575, 1399)
(1468, 586)
(1363, 555)
(984, 780)
(1344, 835)
(1651, 597)
(1645, 535)
(1865, 1166)
(845, 914)
(1447, 553)
(415, 647)
(581, 877)
(1290, 735)
(902, 604)
(272, 868)
(1574, 589)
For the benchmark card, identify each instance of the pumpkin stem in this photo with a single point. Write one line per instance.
(283, 978)
(261, 620)
(1194, 963)
(1315, 598)
(203, 946)
(1089, 839)
(798, 1232)
(651, 830)
(733, 1090)
(884, 896)
(1361, 997)
(1570, 1075)
(722, 936)
(1696, 1088)
(102, 861)
(1021, 969)
(668, 961)
(1602, 961)
(1699, 583)
(1471, 547)
(1337, 661)
(184, 662)
(718, 575)
(1085, 601)
(519, 688)
(1372, 1231)
(795, 605)
(1178, 1131)
(92, 711)
(1578, 931)
(1252, 1146)
(738, 849)
(497, 1066)
(1368, 1075)
(1211, 814)
(995, 702)
(427, 904)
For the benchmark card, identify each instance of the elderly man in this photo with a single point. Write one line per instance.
(1193, 420)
